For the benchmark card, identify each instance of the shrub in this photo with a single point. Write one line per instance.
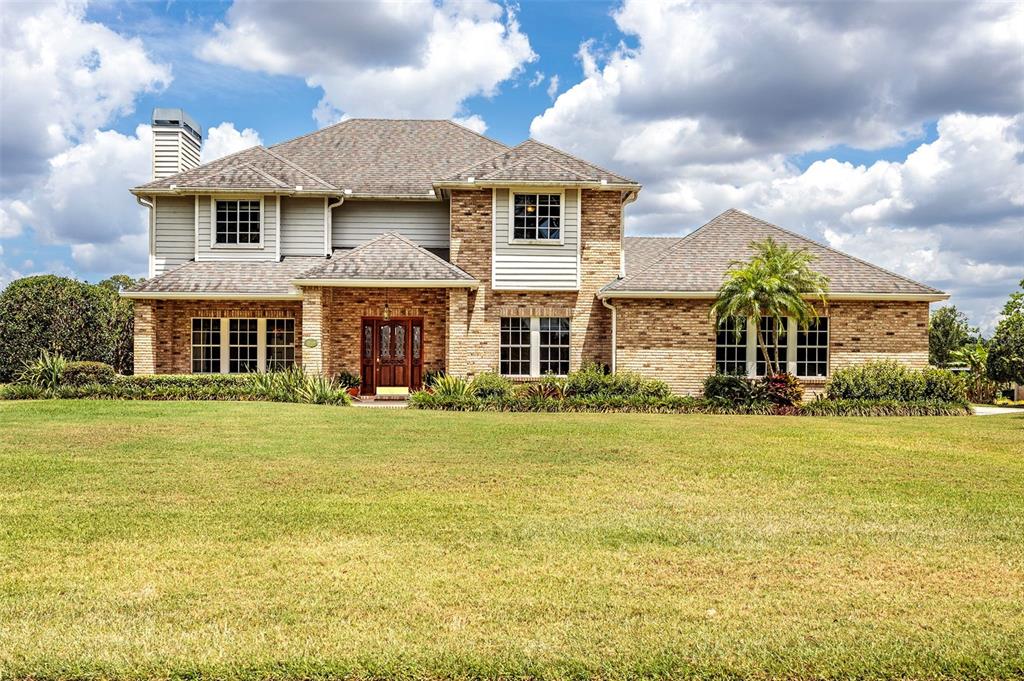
(490, 384)
(47, 371)
(730, 387)
(944, 386)
(828, 407)
(883, 380)
(451, 387)
(294, 385)
(593, 379)
(547, 388)
(84, 373)
(67, 317)
(318, 389)
(346, 379)
(782, 389)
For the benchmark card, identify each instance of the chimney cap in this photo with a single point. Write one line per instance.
(163, 116)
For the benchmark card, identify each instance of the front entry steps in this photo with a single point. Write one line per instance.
(396, 401)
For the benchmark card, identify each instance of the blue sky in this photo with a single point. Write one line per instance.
(890, 131)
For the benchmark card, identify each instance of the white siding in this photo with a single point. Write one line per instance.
(173, 152)
(424, 222)
(302, 230)
(536, 267)
(267, 252)
(174, 242)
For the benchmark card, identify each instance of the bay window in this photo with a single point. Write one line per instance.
(242, 345)
(534, 346)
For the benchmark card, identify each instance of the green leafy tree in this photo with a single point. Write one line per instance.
(776, 282)
(948, 331)
(975, 357)
(77, 320)
(1006, 349)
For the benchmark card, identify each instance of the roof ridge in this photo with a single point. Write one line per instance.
(265, 174)
(201, 166)
(671, 249)
(401, 237)
(577, 158)
(525, 160)
(314, 132)
(467, 129)
(299, 168)
(833, 250)
(460, 171)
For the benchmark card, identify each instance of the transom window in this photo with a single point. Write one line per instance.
(206, 346)
(534, 346)
(515, 346)
(812, 349)
(242, 345)
(537, 216)
(238, 222)
(280, 344)
(731, 346)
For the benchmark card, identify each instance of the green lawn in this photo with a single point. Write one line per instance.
(273, 540)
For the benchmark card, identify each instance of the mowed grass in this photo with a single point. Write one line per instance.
(233, 540)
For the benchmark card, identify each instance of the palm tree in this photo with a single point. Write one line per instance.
(776, 282)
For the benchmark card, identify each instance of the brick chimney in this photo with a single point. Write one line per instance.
(177, 139)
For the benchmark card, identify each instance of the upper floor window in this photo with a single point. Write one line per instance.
(537, 217)
(238, 222)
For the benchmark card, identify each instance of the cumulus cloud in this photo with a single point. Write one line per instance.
(376, 58)
(224, 139)
(712, 102)
(63, 77)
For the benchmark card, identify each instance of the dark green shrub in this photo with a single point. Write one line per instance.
(827, 407)
(944, 386)
(730, 387)
(490, 384)
(883, 380)
(782, 389)
(346, 379)
(46, 371)
(593, 379)
(84, 373)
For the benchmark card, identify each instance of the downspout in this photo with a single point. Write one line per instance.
(604, 301)
(152, 233)
(328, 220)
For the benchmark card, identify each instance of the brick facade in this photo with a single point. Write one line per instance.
(167, 329)
(475, 316)
(674, 339)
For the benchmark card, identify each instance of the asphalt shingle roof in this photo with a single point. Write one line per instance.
(698, 262)
(533, 160)
(388, 257)
(264, 278)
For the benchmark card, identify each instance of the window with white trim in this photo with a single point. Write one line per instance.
(237, 222)
(205, 346)
(243, 346)
(775, 342)
(812, 349)
(554, 345)
(537, 217)
(534, 346)
(731, 346)
(280, 344)
(515, 346)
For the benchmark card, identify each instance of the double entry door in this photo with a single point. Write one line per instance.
(392, 354)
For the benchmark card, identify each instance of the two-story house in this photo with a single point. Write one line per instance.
(389, 248)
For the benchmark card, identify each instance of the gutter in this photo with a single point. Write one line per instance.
(389, 283)
(614, 330)
(710, 295)
(152, 231)
(200, 295)
(328, 222)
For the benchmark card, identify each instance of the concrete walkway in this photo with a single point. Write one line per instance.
(986, 410)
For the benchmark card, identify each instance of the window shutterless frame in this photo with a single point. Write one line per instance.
(541, 345)
(229, 345)
(227, 202)
(806, 353)
(530, 197)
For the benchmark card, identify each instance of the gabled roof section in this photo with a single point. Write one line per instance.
(697, 263)
(253, 168)
(537, 162)
(211, 280)
(387, 260)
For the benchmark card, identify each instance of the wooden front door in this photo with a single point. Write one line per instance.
(392, 354)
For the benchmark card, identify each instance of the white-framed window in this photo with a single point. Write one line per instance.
(534, 346)
(515, 346)
(280, 344)
(242, 345)
(812, 349)
(205, 345)
(801, 352)
(238, 222)
(731, 346)
(536, 217)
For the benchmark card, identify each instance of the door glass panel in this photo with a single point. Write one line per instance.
(416, 342)
(368, 341)
(400, 341)
(385, 342)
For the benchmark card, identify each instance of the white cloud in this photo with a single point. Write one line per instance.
(473, 122)
(224, 139)
(712, 102)
(553, 86)
(413, 59)
(538, 78)
(63, 77)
